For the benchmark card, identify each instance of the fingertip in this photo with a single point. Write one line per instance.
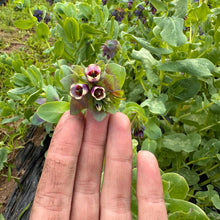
(121, 121)
(146, 157)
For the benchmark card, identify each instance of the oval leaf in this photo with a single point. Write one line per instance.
(52, 111)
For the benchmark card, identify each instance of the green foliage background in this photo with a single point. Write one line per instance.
(171, 87)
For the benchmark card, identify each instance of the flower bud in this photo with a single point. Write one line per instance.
(93, 73)
(98, 92)
(98, 107)
(77, 91)
(110, 48)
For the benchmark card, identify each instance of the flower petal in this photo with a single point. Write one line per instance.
(93, 73)
(79, 90)
(98, 92)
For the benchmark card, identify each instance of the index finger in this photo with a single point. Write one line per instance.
(54, 193)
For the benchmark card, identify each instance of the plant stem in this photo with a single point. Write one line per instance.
(209, 126)
(200, 110)
(209, 180)
(161, 73)
(212, 168)
(195, 32)
(142, 83)
(191, 162)
(200, 159)
(49, 47)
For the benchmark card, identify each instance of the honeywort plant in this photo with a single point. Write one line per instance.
(170, 53)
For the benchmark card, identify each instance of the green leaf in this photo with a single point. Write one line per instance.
(66, 70)
(76, 106)
(98, 115)
(180, 8)
(58, 49)
(85, 10)
(89, 29)
(98, 15)
(119, 73)
(10, 120)
(145, 56)
(178, 205)
(27, 3)
(22, 90)
(134, 205)
(71, 29)
(70, 10)
(185, 89)
(6, 111)
(156, 105)
(3, 157)
(159, 5)
(25, 24)
(145, 44)
(148, 62)
(178, 186)
(36, 120)
(38, 75)
(52, 111)
(51, 94)
(105, 13)
(195, 67)
(198, 14)
(42, 31)
(17, 64)
(149, 145)
(152, 129)
(33, 97)
(191, 176)
(180, 142)
(171, 30)
(133, 107)
(180, 215)
(216, 201)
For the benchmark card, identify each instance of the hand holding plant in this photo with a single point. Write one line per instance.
(69, 187)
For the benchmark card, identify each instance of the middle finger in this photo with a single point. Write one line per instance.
(89, 168)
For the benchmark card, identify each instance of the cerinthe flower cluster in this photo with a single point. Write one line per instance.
(96, 87)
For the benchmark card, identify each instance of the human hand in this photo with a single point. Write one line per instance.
(69, 188)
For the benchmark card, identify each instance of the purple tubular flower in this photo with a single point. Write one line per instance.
(79, 90)
(98, 92)
(153, 9)
(110, 48)
(38, 14)
(140, 132)
(119, 14)
(130, 3)
(93, 73)
(104, 2)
